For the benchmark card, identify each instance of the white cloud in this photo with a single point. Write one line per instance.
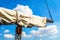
(47, 31)
(24, 10)
(35, 33)
(25, 35)
(50, 31)
(6, 31)
(8, 36)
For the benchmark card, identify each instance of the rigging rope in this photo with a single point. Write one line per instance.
(48, 10)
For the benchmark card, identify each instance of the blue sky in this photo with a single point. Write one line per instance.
(39, 8)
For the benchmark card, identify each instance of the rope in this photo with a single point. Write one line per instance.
(48, 10)
(16, 17)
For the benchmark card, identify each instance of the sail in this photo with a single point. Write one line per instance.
(9, 16)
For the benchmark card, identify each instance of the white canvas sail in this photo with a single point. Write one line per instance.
(9, 16)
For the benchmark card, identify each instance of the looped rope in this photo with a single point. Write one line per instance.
(16, 17)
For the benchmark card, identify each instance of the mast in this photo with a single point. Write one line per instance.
(18, 30)
(18, 34)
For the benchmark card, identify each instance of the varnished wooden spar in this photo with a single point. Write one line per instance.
(49, 21)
